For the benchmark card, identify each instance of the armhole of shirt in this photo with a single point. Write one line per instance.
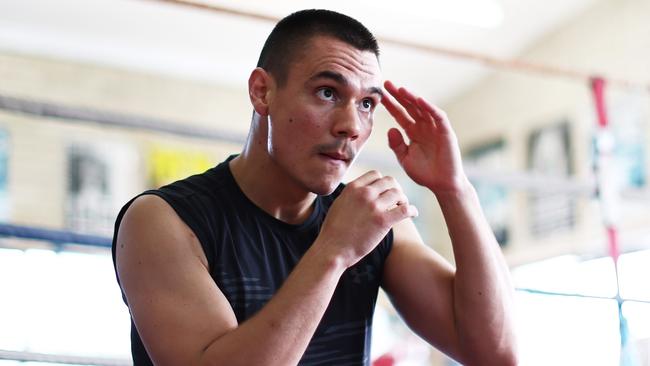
(189, 214)
(387, 245)
(385, 248)
(184, 212)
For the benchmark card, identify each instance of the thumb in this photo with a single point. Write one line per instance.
(397, 144)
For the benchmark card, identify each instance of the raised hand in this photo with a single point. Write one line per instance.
(432, 156)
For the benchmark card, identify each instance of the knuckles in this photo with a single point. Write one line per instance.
(394, 192)
(364, 194)
(380, 218)
(352, 185)
(392, 181)
(375, 174)
(369, 198)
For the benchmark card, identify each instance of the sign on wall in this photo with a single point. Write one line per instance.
(494, 199)
(549, 156)
(168, 164)
(101, 178)
(88, 206)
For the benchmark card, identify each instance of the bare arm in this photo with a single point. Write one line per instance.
(468, 310)
(183, 317)
(464, 312)
(483, 292)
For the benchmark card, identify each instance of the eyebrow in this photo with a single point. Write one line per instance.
(339, 78)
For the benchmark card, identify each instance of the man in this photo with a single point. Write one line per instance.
(267, 259)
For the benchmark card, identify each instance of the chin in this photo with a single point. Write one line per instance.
(322, 182)
(324, 187)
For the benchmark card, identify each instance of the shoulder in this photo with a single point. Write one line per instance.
(165, 281)
(210, 181)
(190, 212)
(199, 197)
(148, 208)
(213, 180)
(151, 224)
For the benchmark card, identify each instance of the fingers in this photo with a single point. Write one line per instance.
(401, 212)
(385, 183)
(415, 109)
(387, 193)
(392, 200)
(384, 194)
(397, 111)
(365, 179)
(406, 99)
(396, 206)
(397, 144)
(374, 184)
(408, 112)
(438, 115)
(411, 105)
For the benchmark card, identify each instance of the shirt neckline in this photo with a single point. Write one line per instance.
(307, 224)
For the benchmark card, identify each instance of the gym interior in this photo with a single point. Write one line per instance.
(101, 100)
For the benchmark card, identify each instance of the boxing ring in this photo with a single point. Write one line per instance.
(62, 240)
(601, 187)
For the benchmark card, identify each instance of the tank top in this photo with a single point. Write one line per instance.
(250, 253)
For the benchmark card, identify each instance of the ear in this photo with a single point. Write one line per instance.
(260, 87)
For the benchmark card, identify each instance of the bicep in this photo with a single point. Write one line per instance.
(176, 306)
(420, 284)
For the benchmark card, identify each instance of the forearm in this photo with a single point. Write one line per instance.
(280, 332)
(483, 293)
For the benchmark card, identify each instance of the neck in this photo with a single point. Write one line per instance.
(276, 193)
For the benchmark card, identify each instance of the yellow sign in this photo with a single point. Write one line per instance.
(169, 164)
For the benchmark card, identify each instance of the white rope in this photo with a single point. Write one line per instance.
(62, 359)
(523, 180)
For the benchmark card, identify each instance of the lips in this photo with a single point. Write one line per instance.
(336, 156)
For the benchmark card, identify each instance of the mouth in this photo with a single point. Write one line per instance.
(336, 157)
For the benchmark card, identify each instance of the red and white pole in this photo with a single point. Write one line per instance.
(608, 187)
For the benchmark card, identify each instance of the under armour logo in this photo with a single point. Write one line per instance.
(357, 274)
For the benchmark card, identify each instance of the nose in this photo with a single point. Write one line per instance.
(347, 122)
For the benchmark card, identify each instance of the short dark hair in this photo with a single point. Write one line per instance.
(292, 34)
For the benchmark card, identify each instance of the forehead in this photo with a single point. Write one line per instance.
(323, 53)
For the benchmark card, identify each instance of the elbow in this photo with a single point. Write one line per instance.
(495, 360)
(506, 357)
(509, 354)
(503, 357)
(213, 355)
(509, 359)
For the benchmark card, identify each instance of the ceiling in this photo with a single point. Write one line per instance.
(181, 41)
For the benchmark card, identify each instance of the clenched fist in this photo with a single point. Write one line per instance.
(362, 215)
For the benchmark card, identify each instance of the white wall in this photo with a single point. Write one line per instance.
(611, 39)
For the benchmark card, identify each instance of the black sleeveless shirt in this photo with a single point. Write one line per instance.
(250, 254)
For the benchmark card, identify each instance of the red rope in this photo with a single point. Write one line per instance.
(598, 87)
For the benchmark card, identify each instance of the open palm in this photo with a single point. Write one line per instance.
(432, 157)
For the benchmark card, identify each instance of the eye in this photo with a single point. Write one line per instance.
(367, 105)
(326, 94)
